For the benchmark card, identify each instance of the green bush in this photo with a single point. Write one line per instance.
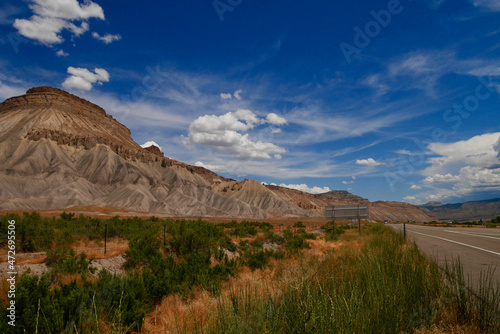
(65, 261)
(142, 250)
(295, 242)
(299, 224)
(260, 259)
(339, 230)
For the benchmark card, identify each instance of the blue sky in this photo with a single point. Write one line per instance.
(391, 100)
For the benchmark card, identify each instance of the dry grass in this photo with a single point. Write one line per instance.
(114, 247)
(175, 312)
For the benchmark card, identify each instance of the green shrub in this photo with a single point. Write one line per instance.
(299, 224)
(295, 242)
(260, 259)
(65, 261)
(142, 250)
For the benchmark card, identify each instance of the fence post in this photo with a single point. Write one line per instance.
(359, 218)
(105, 234)
(404, 230)
(164, 224)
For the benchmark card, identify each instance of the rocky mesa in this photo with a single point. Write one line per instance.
(59, 151)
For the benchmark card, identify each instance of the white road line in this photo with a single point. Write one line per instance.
(458, 243)
(472, 234)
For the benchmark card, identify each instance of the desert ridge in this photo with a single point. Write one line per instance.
(60, 151)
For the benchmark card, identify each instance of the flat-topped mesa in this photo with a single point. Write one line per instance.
(49, 96)
(56, 115)
(45, 90)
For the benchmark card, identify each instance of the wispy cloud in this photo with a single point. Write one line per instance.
(107, 38)
(491, 5)
(7, 13)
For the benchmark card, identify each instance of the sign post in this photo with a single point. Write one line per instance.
(347, 212)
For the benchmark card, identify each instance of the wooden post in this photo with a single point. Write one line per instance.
(359, 219)
(164, 233)
(105, 234)
(404, 230)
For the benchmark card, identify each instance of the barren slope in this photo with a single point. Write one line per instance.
(59, 151)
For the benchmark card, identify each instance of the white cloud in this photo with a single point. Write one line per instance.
(496, 147)
(108, 38)
(451, 157)
(51, 17)
(82, 79)
(226, 96)
(150, 143)
(438, 178)
(347, 182)
(276, 130)
(278, 156)
(353, 177)
(415, 187)
(237, 94)
(274, 119)
(213, 168)
(412, 200)
(464, 168)
(223, 134)
(493, 5)
(368, 162)
(303, 187)
(67, 9)
(61, 53)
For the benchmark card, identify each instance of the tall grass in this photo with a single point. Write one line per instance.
(386, 286)
(479, 305)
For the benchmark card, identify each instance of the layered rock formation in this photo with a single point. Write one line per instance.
(468, 211)
(59, 151)
(155, 150)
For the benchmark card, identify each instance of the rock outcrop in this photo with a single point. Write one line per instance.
(397, 211)
(155, 150)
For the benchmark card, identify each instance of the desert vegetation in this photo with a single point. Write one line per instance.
(376, 282)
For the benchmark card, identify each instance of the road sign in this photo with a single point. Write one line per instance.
(347, 212)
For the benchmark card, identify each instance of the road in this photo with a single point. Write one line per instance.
(478, 248)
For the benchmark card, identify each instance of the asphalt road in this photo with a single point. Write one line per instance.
(477, 248)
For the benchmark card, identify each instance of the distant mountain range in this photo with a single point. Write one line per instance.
(468, 211)
(58, 151)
